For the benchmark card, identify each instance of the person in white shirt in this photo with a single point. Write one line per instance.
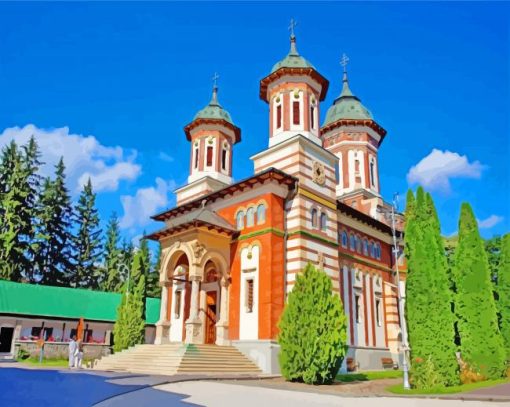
(78, 354)
(72, 350)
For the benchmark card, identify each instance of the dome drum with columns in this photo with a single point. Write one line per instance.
(231, 250)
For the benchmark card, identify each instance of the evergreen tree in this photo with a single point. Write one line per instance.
(480, 338)
(428, 298)
(504, 292)
(313, 330)
(53, 231)
(126, 259)
(86, 242)
(111, 281)
(129, 328)
(153, 287)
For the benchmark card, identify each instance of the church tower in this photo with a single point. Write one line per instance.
(212, 135)
(351, 133)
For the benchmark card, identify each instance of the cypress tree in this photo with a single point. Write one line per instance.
(87, 241)
(481, 343)
(428, 299)
(129, 328)
(153, 287)
(111, 281)
(504, 292)
(126, 259)
(313, 330)
(53, 232)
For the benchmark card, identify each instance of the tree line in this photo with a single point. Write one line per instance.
(45, 238)
(457, 298)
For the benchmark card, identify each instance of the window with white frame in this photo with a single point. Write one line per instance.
(357, 307)
(378, 311)
(177, 304)
(313, 214)
(240, 220)
(250, 217)
(344, 239)
(261, 214)
(249, 295)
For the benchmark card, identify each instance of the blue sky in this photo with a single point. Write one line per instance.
(111, 86)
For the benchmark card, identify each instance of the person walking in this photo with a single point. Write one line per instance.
(78, 354)
(72, 351)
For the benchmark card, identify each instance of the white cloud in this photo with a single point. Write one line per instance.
(435, 170)
(166, 157)
(84, 157)
(491, 221)
(146, 202)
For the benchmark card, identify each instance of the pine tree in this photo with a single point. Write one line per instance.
(86, 242)
(126, 259)
(480, 338)
(313, 330)
(111, 281)
(129, 328)
(430, 320)
(504, 292)
(153, 287)
(53, 232)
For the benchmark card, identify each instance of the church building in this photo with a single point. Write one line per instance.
(231, 250)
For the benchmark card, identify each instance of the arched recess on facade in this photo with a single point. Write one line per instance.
(214, 259)
(178, 257)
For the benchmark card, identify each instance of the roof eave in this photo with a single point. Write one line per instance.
(199, 121)
(356, 122)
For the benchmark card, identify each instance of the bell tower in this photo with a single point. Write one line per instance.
(351, 133)
(212, 135)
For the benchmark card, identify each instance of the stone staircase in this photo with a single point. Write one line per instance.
(171, 359)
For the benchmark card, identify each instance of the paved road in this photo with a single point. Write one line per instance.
(214, 394)
(22, 387)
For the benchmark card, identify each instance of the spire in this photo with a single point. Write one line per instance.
(293, 50)
(346, 91)
(214, 98)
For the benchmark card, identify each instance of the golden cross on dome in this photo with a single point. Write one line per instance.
(292, 25)
(344, 61)
(215, 79)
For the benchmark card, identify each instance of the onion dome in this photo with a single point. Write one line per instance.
(347, 106)
(214, 110)
(293, 59)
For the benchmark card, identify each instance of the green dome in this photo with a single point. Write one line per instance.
(347, 106)
(214, 110)
(293, 59)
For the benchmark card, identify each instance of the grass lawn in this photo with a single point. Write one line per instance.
(365, 376)
(46, 362)
(399, 389)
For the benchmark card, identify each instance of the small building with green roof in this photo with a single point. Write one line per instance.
(28, 311)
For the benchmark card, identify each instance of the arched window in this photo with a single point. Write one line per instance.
(371, 249)
(314, 217)
(377, 250)
(365, 247)
(324, 221)
(344, 238)
(261, 214)
(240, 220)
(250, 217)
(353, 242)
(358, 244)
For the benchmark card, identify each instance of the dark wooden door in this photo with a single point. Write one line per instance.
(6, 339)
(210, 318)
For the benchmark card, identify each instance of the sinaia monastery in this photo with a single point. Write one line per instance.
(231, 250)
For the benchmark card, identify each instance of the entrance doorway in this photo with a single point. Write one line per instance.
(210, 318)
(6, 334)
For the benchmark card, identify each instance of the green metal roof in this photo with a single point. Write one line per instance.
(214, 110)
(346, 106)
(293, 59)
(63, 302)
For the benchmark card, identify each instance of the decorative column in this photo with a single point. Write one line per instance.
(194, 324)
(222, 338)
(163, 325)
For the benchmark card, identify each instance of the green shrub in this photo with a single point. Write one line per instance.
(23, 354)
(312, 330)
(425, 375)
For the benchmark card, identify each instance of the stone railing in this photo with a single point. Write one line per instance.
(60, 350)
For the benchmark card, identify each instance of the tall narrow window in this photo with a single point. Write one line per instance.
(378, 311)
(357, 307)
(196, 158)
(224, 159)
(278, 116)
(352, 242)
(358, 244)
(324, 222)
(295, 112)
(177, 310)
(209, 156)
(372, 182)
(356, 165)
(365, 247)
(240, 220)
(249, 295)
(314, 218)
(344, 239)
(250, 217)
(261, 214)
(312, 117)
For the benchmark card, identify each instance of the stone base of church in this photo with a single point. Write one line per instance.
(263, 352)
(162, 332)
(368, 358)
